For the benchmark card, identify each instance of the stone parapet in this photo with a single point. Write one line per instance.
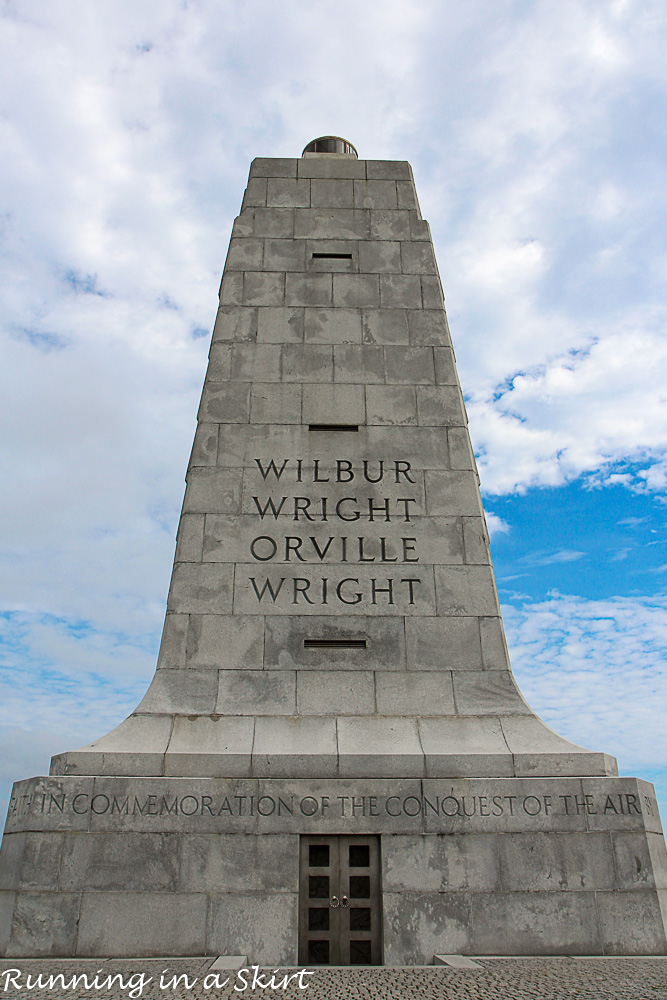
(195, 866)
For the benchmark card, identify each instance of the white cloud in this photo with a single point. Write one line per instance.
(579, 413)
(549, 558)
(495, 524)
(596, 671)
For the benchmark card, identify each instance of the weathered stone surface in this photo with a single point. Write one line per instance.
(375, 194)
(443, 644)
(444, 922)
(342, 224)
(307, 363)
(121, 861)
(200, 588)
(398, 170)
(288, 192)
(264, 288)
(399, 291)
(182, 692)
(440, 406)
(235, 863)
(356, 290)
(205, 445)
(344, 166)
(263, 166)
(308, 290)
(391, 405)
(219, 364)
(211, 490)
(284, 255)
(275, 403)
(235, 642)
(245, 255)
(255, 193)
(303, 747)
(280, 325)
(332, 193)
(333, 326)
(389, 224)
(285, 639)
(441, 864)
(256, 363)
(453, 493)
(412, 365)
(327, 404)
(259, 923)
(631, 923)
(464, 736)
(41, 929)
(418, 258)
(354, 363)
(378, 256)
(172, 653)
(374, 745)
(144, 923)
(29, 860)
(385, 326)
(225, 403)
(429, 327)
(252, 692)
(415, 694)
(277, 222)
(555, 862)
(336, 692)
(537, 923)
(7, 901)
(210, 746)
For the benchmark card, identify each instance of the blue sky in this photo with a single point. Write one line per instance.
(536, 134)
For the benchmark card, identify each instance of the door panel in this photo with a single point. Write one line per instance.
(340, 913)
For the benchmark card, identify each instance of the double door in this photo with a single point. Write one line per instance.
(340, 914)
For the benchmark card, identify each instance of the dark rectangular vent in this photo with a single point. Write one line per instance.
(333, 427)
(332, 256)
(334, 643)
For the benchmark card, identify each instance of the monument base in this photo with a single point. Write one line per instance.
(128, 866)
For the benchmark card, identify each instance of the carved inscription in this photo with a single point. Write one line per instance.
(347, 528)
(448, 804)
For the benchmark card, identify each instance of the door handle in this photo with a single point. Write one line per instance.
(344, 901)
(334, 901)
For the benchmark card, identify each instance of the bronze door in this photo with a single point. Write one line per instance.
(340, 912)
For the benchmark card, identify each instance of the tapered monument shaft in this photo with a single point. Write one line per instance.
(333, 762)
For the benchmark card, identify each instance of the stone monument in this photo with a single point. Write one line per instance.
(333, 763)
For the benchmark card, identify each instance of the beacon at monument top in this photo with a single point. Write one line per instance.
(330, 144)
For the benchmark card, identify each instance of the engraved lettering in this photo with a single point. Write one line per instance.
(272, 549)
(293, 544)
(271, 467)
(357, 596)
(403, 469)
(301, 585)
(259, 594)
(378, 477)
(343, 466)
(269, 505)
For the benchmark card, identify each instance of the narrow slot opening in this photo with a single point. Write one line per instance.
(334, 643)
(333, 427)
(332, 256)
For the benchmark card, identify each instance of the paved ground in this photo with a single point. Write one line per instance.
(498, 979)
